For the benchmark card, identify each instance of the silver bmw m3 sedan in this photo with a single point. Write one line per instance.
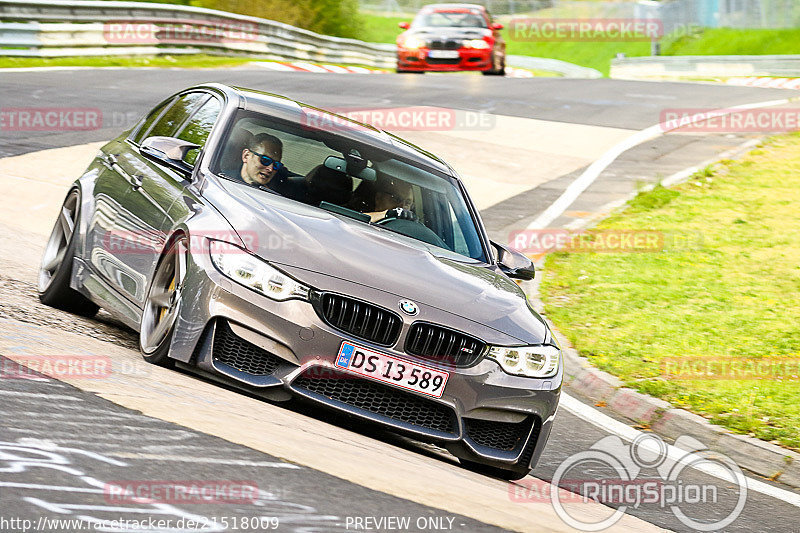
(295, 253)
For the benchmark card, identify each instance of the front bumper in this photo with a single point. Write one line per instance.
(468, 59)
(285, 349)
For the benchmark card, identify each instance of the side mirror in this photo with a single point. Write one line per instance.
(168, 151)
(404, 25)
(513, 263)
(497, 26)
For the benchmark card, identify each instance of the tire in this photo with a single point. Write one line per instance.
(493, 471)
(498, 71)
(162, 305)
(55, 270)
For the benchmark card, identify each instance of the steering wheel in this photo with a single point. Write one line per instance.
(412, 228)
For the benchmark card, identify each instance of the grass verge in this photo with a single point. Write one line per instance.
(166, 61)
(187, 61)
(725, 286)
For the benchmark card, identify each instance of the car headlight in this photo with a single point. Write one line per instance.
(478, 44)
(530, 361)
(413, 43)
(255, 274)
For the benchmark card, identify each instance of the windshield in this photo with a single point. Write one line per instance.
(463, 18)
(329, 170)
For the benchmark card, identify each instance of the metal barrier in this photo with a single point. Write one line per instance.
(704, 67)
(44, 28)
(567, 70)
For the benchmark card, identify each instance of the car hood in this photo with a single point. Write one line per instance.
(447, 33)
(285, 232)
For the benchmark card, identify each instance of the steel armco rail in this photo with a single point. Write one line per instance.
(45, 28)
(677, 67)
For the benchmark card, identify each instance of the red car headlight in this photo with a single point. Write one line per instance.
(413, 43)
(477, 44)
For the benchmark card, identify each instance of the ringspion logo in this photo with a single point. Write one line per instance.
(646, 472)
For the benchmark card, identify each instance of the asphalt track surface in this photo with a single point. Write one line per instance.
(110, 442)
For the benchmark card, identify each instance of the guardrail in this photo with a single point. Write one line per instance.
(44, 28)
(699, 67)
(567, 70)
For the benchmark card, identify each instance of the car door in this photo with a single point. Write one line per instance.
(110, 235)
(146, 191)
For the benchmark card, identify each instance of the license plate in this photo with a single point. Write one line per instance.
(389, 369)
(443, 54)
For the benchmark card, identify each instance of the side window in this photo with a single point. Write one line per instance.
(140, 133)
(198, 127)
(177, 114)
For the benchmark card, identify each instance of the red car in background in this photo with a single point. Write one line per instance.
(450, 37)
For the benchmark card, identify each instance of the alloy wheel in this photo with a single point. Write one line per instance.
(164, 298)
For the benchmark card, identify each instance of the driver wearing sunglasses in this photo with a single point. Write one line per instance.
(261, 161)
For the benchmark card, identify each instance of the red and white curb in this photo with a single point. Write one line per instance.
(765, 81)
(302, 66)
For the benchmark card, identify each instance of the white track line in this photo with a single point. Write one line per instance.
(582, 182)
(40, 395)
(624, 431)
(205, 460)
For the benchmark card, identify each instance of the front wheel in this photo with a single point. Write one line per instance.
(498, 66)
(163, 304)
(55, 271)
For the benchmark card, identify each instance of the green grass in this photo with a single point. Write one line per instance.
(726, 41)
(593, 55)
(380, 29)
(166, 61)
(183, 61)
(726, 286)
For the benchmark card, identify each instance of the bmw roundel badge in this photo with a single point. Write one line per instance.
(409, 307)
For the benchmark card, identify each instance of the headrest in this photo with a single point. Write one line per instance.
(327, 184)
